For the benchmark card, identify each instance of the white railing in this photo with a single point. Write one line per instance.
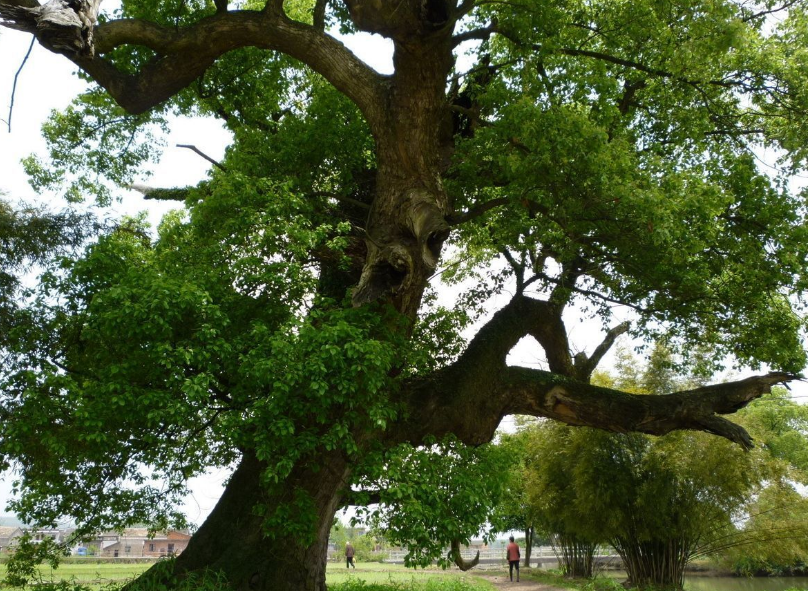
(486, 554)
(493, 555)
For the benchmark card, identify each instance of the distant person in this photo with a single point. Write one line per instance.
(512, 551)
(349, 554)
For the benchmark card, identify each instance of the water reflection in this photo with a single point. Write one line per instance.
(708, 583)
(697, 583)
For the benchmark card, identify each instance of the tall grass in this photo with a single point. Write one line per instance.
(434, 584)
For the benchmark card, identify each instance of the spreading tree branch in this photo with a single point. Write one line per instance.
(161, 193)
(494, 28)
(476, 211)
(475, 34)
(360, 498)
(584, 366)
(182, 55)
(535, 393)
(470, 397)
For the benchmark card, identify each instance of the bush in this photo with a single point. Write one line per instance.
(751, 567)
(602, 584)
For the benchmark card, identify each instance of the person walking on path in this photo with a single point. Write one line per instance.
(514, 555)
(349, 554)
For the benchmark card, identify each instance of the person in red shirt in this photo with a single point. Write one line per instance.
(513, 555)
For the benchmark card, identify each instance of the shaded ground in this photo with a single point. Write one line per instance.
(501, 581)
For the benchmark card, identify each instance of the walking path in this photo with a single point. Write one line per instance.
(503, 582)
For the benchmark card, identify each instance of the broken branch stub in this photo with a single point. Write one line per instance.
(63, 26)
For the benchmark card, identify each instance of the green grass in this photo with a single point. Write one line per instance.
(94, 575)
(370, 576)
(374, 575)
(387, 577)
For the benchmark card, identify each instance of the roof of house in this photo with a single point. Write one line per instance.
(143, 533)
(7, 530)
(135, 532)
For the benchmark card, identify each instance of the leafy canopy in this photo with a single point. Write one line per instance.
(603, 153)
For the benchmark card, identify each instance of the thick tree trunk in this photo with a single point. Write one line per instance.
(234, 543)
(529, 532)
(407, 223)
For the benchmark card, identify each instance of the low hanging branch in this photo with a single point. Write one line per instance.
(458, 559)
(581, 404)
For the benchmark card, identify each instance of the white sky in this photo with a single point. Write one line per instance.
(47, 82)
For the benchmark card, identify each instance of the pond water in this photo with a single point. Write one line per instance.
(706, 583)
(696, 582)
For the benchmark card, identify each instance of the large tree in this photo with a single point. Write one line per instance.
(593, 153)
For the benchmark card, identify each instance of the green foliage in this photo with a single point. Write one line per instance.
(430, 496)
(619, 140)
(701, 494)
(94, 146)
(513, 511)
(650, 178)
(22, 566)
(31, 236)
(364, 545)
(202, 337)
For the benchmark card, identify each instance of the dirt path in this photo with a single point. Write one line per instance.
(503, 582)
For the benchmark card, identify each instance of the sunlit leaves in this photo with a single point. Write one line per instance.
(312, 384)
(94, 146)
(162, 358)
(622, 140)
(618, 142)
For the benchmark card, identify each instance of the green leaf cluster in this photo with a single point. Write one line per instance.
(433, 495)
(141, 363)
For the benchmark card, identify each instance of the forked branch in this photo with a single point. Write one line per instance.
(470, 397)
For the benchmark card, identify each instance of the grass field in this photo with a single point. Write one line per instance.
(374, 572)
(101, 575)
(93, 574)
